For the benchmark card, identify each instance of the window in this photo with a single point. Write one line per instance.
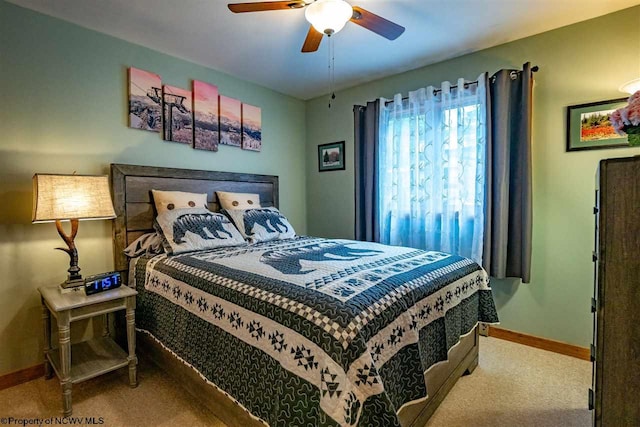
(431, 173)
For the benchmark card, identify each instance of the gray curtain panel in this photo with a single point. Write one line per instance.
(508, 205)
(366, 120)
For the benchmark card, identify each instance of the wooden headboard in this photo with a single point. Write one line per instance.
(131, 186)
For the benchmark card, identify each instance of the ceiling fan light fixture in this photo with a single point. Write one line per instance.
(328, 16)
(631, 86)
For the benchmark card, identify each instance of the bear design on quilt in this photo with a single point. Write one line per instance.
(288, 261)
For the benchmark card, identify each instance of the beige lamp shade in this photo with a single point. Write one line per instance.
(66, 197)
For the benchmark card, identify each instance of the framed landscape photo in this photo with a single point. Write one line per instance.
(589, 126)
(331, 156)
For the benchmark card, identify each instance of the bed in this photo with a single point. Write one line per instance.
(307, 331)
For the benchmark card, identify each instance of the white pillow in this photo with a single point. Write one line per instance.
(149, 243)
(238, 200)
(195, 229)
(170, 200)
(262, 225)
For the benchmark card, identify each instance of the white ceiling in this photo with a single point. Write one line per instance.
(264, 47)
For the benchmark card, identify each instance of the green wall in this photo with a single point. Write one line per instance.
(580, 63)
(64, 109)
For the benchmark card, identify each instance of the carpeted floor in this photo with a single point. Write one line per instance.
(513, 385)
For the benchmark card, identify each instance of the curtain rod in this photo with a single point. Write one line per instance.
(534, 69)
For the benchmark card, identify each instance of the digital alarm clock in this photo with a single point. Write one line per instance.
(102, 282)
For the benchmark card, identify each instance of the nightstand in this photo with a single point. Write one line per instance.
(90, 358)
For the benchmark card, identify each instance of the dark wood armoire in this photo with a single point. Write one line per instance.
(615, 396)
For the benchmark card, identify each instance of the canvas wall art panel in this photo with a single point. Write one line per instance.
(178, 118)
(251, 127)
(145, 100)
(230, 121)
(205, 112)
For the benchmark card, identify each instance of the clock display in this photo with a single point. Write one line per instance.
(102, 282)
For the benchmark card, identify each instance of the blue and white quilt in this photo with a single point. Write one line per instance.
(311, 331)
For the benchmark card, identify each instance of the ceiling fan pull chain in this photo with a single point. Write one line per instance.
(329, 67)
(332, 70)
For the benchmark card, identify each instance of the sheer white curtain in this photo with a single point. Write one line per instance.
(431, 169)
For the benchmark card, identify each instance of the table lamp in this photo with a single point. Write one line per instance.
(71, 198)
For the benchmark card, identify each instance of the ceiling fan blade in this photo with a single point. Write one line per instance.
(262, 6)
(312, 42)
(377, 24)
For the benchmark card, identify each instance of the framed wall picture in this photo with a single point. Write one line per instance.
(589, 126)
(331, 156)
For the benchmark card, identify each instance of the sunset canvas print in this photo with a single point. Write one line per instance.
(178, 119)
(205, 109)
(230, 121)
(145, 100)
(251, 127)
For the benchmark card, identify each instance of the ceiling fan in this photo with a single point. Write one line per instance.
(326, 17)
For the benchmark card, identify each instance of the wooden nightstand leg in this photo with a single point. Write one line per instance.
(46, 323)
(64, 335)
(131, 341)
(105, 327)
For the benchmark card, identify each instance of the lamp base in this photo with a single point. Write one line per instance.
(75, 278)
(71, 287)
(69, 284)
